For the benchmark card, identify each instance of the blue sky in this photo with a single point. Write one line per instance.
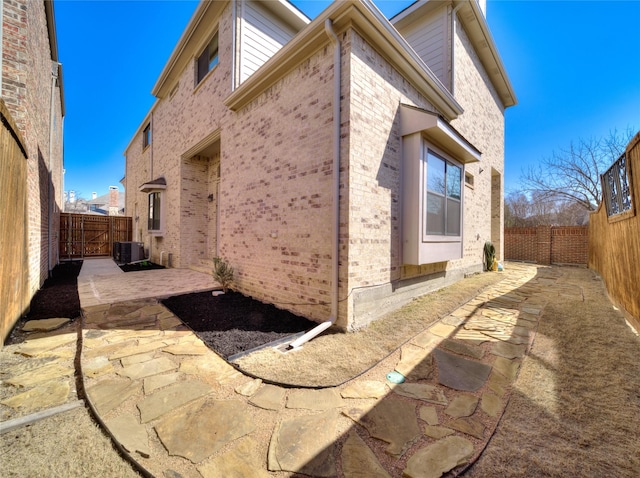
(574, 67)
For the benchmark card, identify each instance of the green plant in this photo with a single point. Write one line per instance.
(222, 273)
(489, 255)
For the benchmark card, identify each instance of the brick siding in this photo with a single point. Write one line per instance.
(547, 244)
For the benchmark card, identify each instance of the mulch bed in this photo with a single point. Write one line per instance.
(233, 323)
(140, 266)
(58, 297)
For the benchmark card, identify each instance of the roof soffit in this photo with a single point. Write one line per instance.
(475, 24)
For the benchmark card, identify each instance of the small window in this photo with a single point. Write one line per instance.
(444, 197)
(146, 136)
(154, 211)
(468, 179)
(208, 59)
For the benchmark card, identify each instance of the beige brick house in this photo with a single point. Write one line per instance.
(343, 165)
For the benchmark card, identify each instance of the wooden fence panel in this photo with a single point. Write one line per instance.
(14, 263)
(85, 235)
(614, 243)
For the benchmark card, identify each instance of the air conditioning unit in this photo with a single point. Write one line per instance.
(127, 252)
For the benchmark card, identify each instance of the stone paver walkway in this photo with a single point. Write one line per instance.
(181, 411)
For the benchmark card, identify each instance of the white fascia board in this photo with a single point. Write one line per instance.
(414, 120)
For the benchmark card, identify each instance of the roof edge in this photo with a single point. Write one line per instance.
(365, 17)
(470, 12)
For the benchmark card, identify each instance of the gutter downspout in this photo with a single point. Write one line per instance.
(50, 195)
(454, 12)
(337, 73)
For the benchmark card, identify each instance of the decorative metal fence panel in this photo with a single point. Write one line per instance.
(84, 235)
(614, 232)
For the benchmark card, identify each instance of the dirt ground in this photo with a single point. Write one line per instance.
(352, 354)
(58, 297)
(575, 408)
(67, 445)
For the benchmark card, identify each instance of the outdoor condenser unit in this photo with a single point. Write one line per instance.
(126, 252)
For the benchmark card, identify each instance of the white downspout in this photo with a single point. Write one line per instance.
(337, 72)
(51, 209)
(454, 12)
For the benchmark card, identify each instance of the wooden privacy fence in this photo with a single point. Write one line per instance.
(85, 235)
(547, 244)
(614, 232)
(14, 265)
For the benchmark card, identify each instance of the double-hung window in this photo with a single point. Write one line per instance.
(443, 196)
(208, 59)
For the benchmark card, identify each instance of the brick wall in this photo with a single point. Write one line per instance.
(547, 244)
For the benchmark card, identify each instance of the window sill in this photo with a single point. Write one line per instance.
(205, 78)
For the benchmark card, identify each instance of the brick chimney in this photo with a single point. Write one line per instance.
(113, 200)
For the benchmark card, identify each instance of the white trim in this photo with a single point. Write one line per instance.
(441, 133)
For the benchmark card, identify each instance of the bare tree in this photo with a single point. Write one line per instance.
(574, 173)
(523, 211)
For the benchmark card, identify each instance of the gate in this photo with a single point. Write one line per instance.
(85, 235)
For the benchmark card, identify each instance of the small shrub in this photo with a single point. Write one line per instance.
(222, 273)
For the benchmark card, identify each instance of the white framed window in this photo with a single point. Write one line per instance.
(443, 197)
(434, 156)
(155, 205)
(155, 208)
(208, 59)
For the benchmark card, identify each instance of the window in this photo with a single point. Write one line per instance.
(208, 59)
(468, 180)
(444, 195)
(154, 211)
(146, 136)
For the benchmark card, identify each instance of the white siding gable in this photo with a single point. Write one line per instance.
(262, 34)
(429, 37)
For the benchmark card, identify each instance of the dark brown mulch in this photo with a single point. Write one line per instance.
(140, 266)
(234, 323)
(58, 297)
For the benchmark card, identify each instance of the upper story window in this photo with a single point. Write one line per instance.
(444, 196)
(208, 59)
(146, 136)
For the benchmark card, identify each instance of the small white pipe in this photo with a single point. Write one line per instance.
(161, 254)
(328, 26)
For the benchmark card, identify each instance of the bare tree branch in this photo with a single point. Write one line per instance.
(573, 173)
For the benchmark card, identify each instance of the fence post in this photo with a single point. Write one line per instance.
(543, 245)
